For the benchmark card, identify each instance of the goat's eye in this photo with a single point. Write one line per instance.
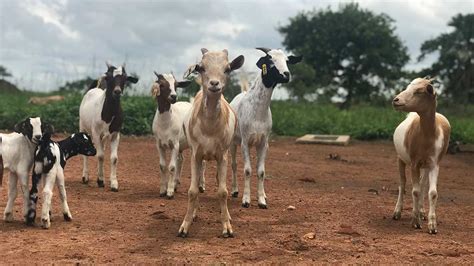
(227, 70)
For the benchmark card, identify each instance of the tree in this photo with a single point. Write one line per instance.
(4, 73)
(77, 85)
(456, 58)
(354, 53)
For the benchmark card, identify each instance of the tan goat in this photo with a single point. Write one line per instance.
(420, 140)
(209, 127)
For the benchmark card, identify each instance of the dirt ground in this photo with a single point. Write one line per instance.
(346, 203)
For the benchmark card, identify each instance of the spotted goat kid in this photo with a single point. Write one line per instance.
(420, 140)
(49, 163)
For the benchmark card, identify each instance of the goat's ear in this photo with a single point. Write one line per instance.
(204, 50)
(192, 69)
(155, 90)
(294, 59)
(184, 83)
(237, 62)
(47, 128)
(261, 61)
(23, 128)
(132, 79)
(430, 89)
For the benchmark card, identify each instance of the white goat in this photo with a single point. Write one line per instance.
(420, 140)
(168, 130)
(100, 115)
(16, 154)
(255, 120)
(210, 126)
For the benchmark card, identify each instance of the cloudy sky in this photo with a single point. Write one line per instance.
(45, 43)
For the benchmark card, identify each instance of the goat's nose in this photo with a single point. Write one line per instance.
(396, 100)
(37, 136)
(287, 74)
(214, 82)
(173, 97)
(117, 92)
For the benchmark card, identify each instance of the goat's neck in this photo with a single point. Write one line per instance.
(68, 147)
(163, 105)
(211, 106)
(428, 121)
(111, 107)
(261, 94)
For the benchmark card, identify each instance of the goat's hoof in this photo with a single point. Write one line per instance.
(201, 189)
(8, 217)
(162, 195)
(114, 189)
(67, 217)
(30, 221)
(397, 215)
(262, 206)
(416, 224)
(228, 234)
(170, 197)
(100, 183)
(45, 223)
(182, 234)
(246, 204)
(85, 180)
(235, 194)
(433, 231)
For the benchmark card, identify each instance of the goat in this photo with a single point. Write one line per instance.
(100, 115)
(168, 130)
(49, 162)
(420, 140)
(45, 100)
(255, 120)
(16, 155)
(209, 127)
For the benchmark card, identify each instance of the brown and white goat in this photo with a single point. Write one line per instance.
(210, 127)
(420, 140)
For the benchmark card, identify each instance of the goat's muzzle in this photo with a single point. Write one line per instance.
(172, 99)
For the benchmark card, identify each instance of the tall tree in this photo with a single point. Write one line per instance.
(353, 52)
(456, 58)
(4, 73)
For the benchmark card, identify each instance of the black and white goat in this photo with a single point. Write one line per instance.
(255, 119)
(101, 115)
(49, 162)
(16, 155)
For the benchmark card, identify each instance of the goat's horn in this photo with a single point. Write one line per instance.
(263, 49)
(204, 50)
(156, 74)
(108, 64)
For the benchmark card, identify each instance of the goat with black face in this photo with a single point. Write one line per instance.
(101, 116)
(255, 119)
(49, 163)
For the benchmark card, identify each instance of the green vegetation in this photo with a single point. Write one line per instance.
(289, 118)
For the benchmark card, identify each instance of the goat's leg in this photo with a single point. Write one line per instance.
(172, 172)
(222, 195)
(62, 195)
(401, 190)
(202, 179)
(179, 170)
(114, 143)
(196, 165)
(100, 158)
(235, 185)
(85, 170)
(423, 188)
(36, 177)
(163, 171)
(12, 193)
(49, 178)
(24, 180)
(247, 173)
(415, 177)
(262, 149)
(433, 198)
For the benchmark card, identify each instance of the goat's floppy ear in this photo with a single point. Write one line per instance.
(430, 89)
(294, 59)
(155, 89)
(237, 62)
(184, 83)
(47, 128)
(261, 61)
(132, 79)
(23, 127)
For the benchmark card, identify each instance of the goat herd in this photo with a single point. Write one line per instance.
(210, 127)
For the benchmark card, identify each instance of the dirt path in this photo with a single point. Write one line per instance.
(332, 199)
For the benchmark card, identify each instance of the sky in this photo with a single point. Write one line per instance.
(45, 43)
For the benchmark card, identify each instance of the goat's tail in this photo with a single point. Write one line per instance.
(1, 162)
(244, 82)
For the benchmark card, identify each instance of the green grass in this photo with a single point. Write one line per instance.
(362, 122)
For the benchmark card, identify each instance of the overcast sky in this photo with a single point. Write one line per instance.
(45, 43)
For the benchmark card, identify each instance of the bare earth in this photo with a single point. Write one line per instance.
(350, 223)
